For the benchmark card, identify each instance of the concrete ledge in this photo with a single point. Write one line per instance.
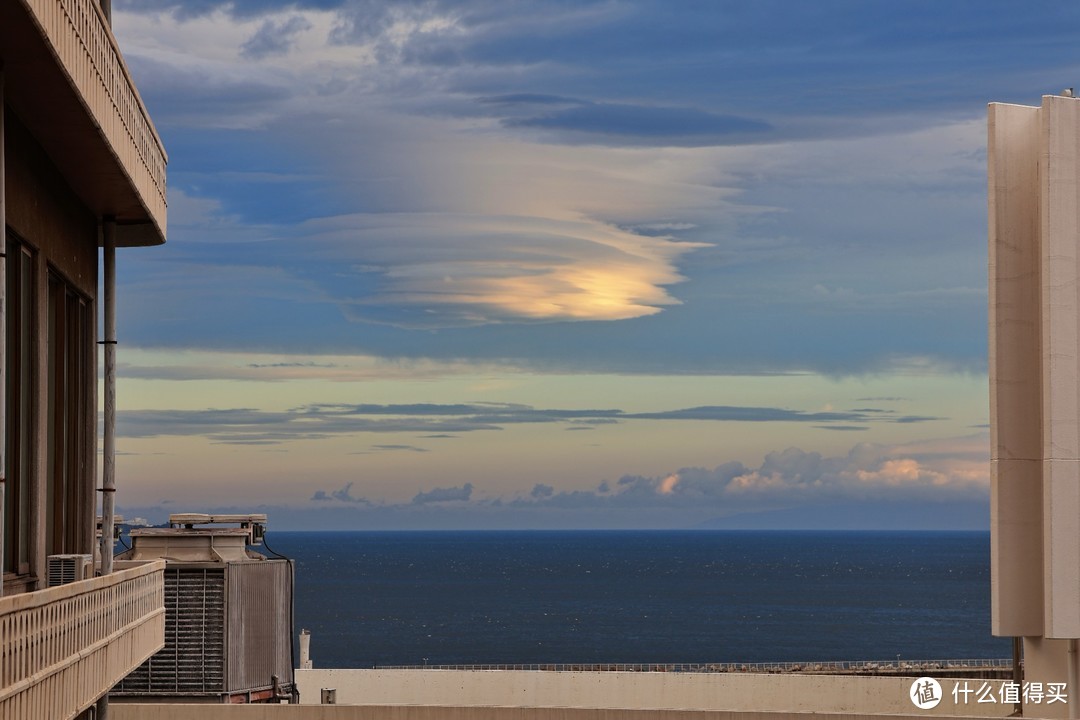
(732, 692)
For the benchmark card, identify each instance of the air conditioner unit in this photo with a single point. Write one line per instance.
(64, 569)
(228, 613)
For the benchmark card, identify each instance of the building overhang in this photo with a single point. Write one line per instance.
(65, 78)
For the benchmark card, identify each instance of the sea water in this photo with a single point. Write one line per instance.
(414, 598)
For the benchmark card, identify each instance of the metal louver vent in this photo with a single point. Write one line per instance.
(193, 659)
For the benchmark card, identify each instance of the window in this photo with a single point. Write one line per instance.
(70, 365)
(21, 348)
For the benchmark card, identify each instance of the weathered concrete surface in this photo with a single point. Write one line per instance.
(635, 690)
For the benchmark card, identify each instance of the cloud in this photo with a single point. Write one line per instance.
(403, 135)
(749, 414)
(526, 99)
(210, 94)
(343, 495)
(843, 428)
(274, 37)
(243, 426)
(651, 125)
(185, 9)
(950, 470)
(248, 426)
(448, 270)
(941, 483)
(443, 495)
(249, 366)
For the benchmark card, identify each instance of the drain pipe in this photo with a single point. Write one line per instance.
(3, 330)
(108, 463)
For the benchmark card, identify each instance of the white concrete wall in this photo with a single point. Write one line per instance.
(633, 690)
(1034, 190)
(1016, 441)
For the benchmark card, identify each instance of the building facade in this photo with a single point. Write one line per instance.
(81, 168)
(1034, 191)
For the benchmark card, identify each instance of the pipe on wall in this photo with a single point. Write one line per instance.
(3, 330)
(108, 463)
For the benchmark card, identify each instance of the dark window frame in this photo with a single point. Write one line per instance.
(21, 382)
(70, 380)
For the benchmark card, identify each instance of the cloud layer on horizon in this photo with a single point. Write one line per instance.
(248, 426)
(952, 472)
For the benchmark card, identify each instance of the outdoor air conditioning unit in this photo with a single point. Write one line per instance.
(64, 569)
(228, 614)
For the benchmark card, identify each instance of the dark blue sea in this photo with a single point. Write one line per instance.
(406, 598)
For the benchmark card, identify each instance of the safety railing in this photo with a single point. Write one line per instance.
(826, 666)
(84, 44)
(64, 647)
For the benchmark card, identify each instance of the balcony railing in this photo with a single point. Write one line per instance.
(62, 648)
(85, 46)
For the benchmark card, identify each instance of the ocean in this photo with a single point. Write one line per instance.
(413, 598)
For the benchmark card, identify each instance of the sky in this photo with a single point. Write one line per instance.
(612, 264)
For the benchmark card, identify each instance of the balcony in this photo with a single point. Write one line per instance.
(62, 648)
(67, 81)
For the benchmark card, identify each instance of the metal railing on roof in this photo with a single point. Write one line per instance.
(825, 666)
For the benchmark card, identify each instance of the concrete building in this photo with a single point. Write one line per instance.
(81, 167)
(1034, 192)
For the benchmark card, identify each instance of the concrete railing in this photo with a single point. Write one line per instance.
(85, 46)
(64, 647)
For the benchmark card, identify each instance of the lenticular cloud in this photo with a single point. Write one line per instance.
(441, 270)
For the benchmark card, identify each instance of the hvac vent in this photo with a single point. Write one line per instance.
(193, 659)
(64, 569)
(227, 633)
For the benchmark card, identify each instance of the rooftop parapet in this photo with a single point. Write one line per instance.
(61, 648)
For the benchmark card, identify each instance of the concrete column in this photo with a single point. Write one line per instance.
(1034, 192)
(1059, 183)
(1015, 372)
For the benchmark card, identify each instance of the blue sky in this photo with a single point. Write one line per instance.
(570, 264)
